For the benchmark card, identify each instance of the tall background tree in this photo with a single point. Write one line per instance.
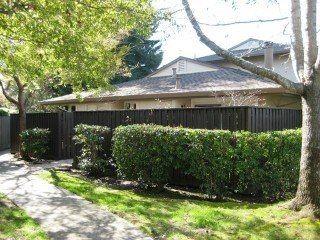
(74, 40)
(305, 56)
(143, 57)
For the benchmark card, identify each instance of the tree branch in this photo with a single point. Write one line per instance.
(243, 22)
(21, 93)
(311, 48)
(15, 6)
(7, 96)
(296, 38)
(284, 82)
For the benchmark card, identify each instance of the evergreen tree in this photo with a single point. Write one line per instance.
(144, 56)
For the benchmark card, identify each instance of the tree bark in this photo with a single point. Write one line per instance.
(22, 127)
(22, 111)
(308, 67)
(238, 61)
(308, 193)
(20, 103)
(297, 51)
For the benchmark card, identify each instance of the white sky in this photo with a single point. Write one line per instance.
(180, 39)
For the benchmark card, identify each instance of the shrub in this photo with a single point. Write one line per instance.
(94, 142)
(4, 112)
(262, 164)
(35, 143)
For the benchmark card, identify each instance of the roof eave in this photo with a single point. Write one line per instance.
(161, 95)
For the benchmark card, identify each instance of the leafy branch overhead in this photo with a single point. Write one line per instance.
(74, 39)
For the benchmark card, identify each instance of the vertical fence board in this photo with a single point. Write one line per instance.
(4, 132)
(61, 124)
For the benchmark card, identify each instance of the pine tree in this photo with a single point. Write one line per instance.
(143, 57)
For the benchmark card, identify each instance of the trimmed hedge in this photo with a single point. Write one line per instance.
(4, 112)
(260, 164)
(35, 143)
(94, 155)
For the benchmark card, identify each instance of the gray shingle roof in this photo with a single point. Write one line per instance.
(257, 49)
(219, 80)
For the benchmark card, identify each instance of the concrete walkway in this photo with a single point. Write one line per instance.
(61, 214)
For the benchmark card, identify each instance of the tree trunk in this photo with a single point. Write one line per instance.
(22, 127)
(308, 193)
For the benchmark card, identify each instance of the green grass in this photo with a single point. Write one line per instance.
(170, 217)
(16, 224)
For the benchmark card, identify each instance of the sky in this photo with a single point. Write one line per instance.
(179, 39)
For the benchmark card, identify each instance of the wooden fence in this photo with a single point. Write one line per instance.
(4, 132)
(61, 124)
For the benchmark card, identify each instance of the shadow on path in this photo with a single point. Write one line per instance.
(62, 214)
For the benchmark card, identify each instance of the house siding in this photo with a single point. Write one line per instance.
(265, 100)
(281, 64)
(189, 67)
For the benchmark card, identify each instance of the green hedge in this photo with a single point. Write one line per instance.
(4, 112)
(35, 143)
(95, 149)
(261, 164)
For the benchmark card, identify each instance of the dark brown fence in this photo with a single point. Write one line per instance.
(4, 132)
(232, 118)
(41, 120)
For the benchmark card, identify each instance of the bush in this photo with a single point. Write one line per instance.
(35, 143)
(4, 112)
(261, 164)
(94, 154)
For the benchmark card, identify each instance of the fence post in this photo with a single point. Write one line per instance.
(249, 115)
(59, 140)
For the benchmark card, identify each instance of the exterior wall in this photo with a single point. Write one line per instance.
(181, 103)
(265, 100)
(99, 106)
(150, 103)
(281, 64)
(226, 101)
(283, 101)
(183, 68)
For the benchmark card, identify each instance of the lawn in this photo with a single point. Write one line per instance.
(172, 217)
(16, 224)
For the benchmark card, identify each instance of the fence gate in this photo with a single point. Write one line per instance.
(4, 132)
(65, 135)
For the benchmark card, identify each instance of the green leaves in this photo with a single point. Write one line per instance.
(259, 164)
(35, 143)
(73, 39)
(94, 142)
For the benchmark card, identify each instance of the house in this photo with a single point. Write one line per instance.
(202, 82)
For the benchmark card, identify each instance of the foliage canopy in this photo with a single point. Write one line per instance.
(74, 39)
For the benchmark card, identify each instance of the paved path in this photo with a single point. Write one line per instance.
(61, 214)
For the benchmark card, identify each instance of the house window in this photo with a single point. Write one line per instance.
(182, 66)
(73, 108)
(128, 105)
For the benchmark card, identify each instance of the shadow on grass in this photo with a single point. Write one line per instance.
(15, 224)
(168, 214)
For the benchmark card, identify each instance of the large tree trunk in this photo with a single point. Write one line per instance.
(308, 193)
(22, 116)
(22, 127)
